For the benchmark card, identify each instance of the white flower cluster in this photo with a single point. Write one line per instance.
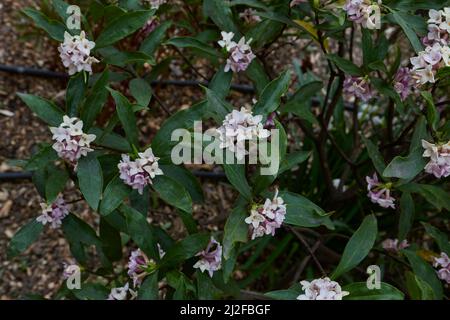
(155, 4)
(437, 52)
(210, 258)
(443, 262)
(322, 289)
(439, 164)
(365, 12)
(238, 127)
(140, 172)
(71, 143)
(267, 218)
(53, 214)
(75, 53)
(122, 293)
(241, 54)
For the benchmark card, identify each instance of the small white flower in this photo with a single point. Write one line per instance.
(227, 40)
(321, 289)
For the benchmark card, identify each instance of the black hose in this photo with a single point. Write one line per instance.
(58, 75)
(24, 175)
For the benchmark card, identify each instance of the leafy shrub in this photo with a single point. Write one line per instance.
(363, 138)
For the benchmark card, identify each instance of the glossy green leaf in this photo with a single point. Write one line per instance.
(90, 179)
(44, 109)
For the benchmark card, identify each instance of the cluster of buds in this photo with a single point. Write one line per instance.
(393, 245)
(437, 52)
(403, 82)
(210, 258)
(380, 193)
(265, 219)
(54, 213)
(122, 293)
(364, 12)
(443, 262)
(155, 4)
(358, 87)
(439, 164)
(249, 16)
(139, 266)
(241, 54)
(75, 53)
(71, 142)
(321, 289)
(140, 172)
(238, 127)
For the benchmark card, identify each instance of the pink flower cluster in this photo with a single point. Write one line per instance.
(75, 53)
(210, 258)
(321, 289)
(265, 219)
(364, 12)
(122, 293)
(238, 127)
(439, 164)
(437, 52)
(358, 87)
(403, 82)
(393, 245)
(379, 193)
(139, 266)
(241, 54)
(443, 262)
(71, 143)
(249, 16)
(140, 172)
(53, 214)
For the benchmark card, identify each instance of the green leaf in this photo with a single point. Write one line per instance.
(358, 247)
(271, 95)
(149, 289)
(111, 140)
(140, 231)
(288, 294)
(432, 112)
(44, 109)
(412, 36)
(440, 237)
(75, 94)
(141, 91)
(407, 212)
(235, 229)
(345, 65)
(184, 249)
(221, 82)
(95, 100)
(91, 291)
(111, 240)
(116, 191)
(405, 167)
(126, 116)
(184, 119)
(76, 230)
(123, 26)
(116, 57)
(359, 291)
(206, 290)
(154, 39)
(425, 272)
(217, 107)
(189, 42)
(41, 159)
(185, 178)
(375, 156)
(302, 212)
(55, 184)
(418, 289)
(256, 73)
(220, 13)
(236, 176)
(433, 194)
(90, 179)
(54, 28)
(23, 238)
(173, 193)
